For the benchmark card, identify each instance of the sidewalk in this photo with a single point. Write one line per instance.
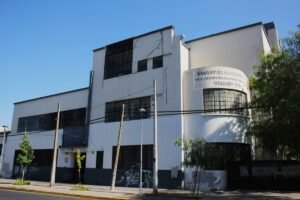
(124, 193)
(94, 192)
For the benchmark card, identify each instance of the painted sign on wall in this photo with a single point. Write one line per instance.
(220, 77)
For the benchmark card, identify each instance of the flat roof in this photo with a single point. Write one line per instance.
(142, 35)
(52, 95)
(224, 32)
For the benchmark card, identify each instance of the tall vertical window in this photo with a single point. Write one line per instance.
(118, 59)
(113, 109)
(224, 101)
(99, 160)
(158, 62)
(142, 65)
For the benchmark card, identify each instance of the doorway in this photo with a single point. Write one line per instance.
(82, 171)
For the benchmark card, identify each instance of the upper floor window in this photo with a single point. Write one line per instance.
(46, 122)
(142, 65)
(158, 62)
(224, 101)
(113, 109)
(118, 59)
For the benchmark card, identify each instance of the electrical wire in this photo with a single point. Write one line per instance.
(159, 114)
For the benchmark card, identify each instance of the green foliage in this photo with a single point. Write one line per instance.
(197, 155)
(79, 159)
(26, 154)
(194, 152)
(276, 94)
(80, 187)
(20, 181)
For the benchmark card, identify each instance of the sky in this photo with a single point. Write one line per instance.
(46, 45)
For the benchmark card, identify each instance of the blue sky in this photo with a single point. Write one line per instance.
(46, 45)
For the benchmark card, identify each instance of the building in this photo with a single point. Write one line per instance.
(201, 84)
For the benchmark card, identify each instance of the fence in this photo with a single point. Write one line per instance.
(264, 175)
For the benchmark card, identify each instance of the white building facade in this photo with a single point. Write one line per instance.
(202, 87)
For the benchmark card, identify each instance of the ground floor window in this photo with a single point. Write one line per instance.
(220, 154)
(130, 156)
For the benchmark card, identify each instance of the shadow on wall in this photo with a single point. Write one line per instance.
(233, 129)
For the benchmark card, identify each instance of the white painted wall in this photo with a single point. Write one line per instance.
(68, 101)
(42, 140)
(240, 49)
(103, 136)
(213, 127)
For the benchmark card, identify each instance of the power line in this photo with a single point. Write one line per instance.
(159, 114)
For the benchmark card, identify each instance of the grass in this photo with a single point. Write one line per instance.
(20, 182)
(80, 187)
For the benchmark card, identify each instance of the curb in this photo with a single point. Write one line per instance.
(20, 188)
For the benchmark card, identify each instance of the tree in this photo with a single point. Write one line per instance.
(26, 154)
(197, 155)
(276, 98)
(79, 159)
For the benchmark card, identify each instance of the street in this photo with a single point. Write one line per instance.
(19, 195)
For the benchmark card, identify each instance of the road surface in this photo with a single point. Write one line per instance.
(18, 195)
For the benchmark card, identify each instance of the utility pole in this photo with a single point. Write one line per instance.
(113, 182)
(141, 110)
(53, 171)
(3, 148)
(155, 160)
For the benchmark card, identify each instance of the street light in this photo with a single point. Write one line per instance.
(142, 110)
(2, 151)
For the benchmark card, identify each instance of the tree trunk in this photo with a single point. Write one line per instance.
(79, 177)
(198, 181)
(23, 172)
(195, 183)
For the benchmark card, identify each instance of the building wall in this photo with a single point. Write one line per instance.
(213, 127)
(240, 49)
(177, 90)
(42, 140)
(140, 84)
(68, 101)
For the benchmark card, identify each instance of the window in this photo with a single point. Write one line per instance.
(129, 156)
(73, 118)
(157, 62)
(113, 110)
(220, 154)
(42, 157)
(224, 101)
(118, 59)
(99, 160)
(142, 65)
(46, 122)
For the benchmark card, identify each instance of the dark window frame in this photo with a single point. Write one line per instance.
(129, 156)
(99, 159)
(118, 59)
(158, 62)
(142, 65)
(224, 101)
(113, 109)
(46, 122)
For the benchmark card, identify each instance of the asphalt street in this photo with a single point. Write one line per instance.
(18, 195)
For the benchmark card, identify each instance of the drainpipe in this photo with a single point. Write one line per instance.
(88, 112)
